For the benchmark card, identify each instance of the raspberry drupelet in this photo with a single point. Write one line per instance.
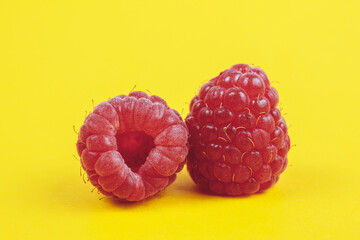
(238, 140)
(131, 147)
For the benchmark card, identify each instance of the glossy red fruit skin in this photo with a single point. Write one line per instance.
(131, 147)
(238, 141)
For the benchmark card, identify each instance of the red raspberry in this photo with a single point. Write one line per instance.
(238, 139)
(131, 147)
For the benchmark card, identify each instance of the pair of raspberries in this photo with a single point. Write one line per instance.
(234, 139)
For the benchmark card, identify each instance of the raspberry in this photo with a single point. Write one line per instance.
(238, 140)
(131, 147)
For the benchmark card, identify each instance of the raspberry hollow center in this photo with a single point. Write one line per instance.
(134, 148)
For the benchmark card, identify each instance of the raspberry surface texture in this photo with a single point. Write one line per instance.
(131, 147)
(238, 138)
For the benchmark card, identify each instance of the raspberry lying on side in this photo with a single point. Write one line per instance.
(238, 139)
(131, 147)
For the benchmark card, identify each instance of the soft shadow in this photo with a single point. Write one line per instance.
(69, 193)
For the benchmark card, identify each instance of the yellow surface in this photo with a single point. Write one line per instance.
(56, 56)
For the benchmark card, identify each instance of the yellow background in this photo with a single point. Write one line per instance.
(56, 56)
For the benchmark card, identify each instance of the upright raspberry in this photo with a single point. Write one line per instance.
(131, 147)
(238, 139)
